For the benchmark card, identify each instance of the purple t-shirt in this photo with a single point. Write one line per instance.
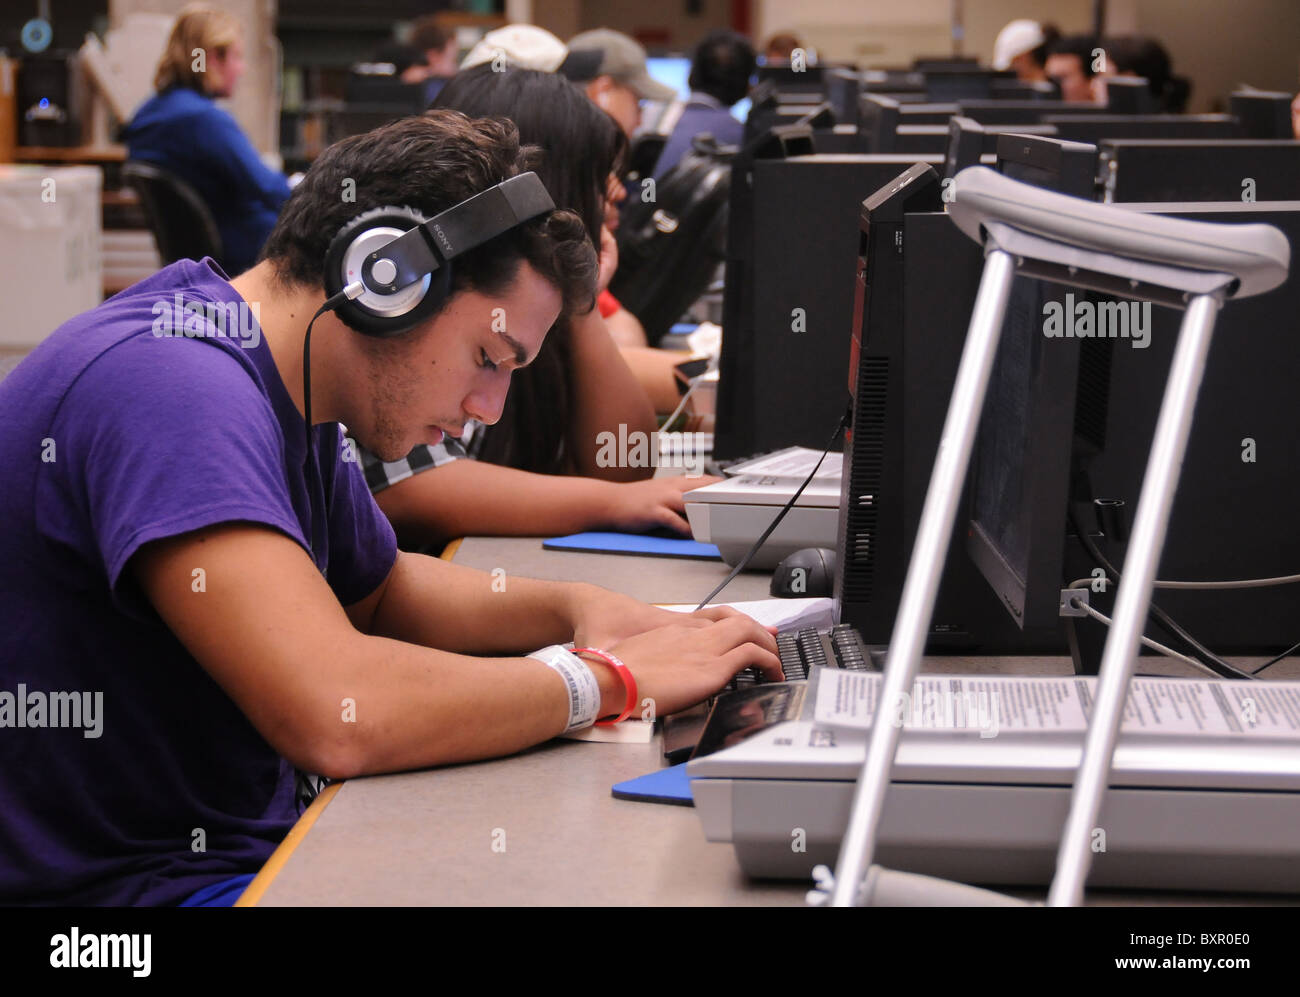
(134, 779)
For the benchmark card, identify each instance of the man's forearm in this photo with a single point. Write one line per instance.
(474, 498)
(438, 604)
(389, 707)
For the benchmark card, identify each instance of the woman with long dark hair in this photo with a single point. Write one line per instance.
(545, 467)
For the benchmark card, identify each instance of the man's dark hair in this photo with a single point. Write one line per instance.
(430, 163)
(723, 64)
(1050, 35)
(1080, 45)
(428, 35)
(1146, 57)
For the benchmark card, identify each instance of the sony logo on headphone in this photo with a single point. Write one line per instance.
(443, 240)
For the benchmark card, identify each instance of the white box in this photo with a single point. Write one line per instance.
(49, 248)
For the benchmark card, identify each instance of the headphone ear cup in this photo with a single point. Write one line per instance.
(373, 313)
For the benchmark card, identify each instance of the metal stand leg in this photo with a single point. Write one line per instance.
(924, 569)
(1133, 600)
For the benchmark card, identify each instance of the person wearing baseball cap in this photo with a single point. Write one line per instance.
(1022, 46)
(523, 46)
(611, 68)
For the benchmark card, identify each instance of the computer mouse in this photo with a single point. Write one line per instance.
(804, 574)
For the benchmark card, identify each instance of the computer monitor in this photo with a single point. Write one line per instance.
(1011, 112)
(808, 80)
(878, 118)
(843, 86)
(1025, 451)
(1262, 113)
(891, 126)
(894, 82)
(1199, 170)
(962, 82)
(832, 137)
(788, 296)
(1051, 163)
(969, 142)
(939, 63)
(1129, 95)
(675, 71)
(1013, 89)
(821, 116)
(672, 71)
(841, 140)
(916, 280)
(926, 113)
(766, 111)
(368, 92)
(921, 140)
(1095, 127)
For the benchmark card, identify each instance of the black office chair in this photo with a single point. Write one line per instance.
(182, 225)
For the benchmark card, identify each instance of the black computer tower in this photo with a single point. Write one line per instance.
(50, 99)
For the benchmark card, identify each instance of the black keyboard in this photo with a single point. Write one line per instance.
(839, 647)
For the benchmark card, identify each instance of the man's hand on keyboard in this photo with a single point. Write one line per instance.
(684, 663)
(601, 618)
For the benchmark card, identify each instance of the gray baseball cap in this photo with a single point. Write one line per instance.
(620, 57)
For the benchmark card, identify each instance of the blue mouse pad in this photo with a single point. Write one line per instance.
(658, 544)
(669, 785)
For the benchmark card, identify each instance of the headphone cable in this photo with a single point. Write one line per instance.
(306, 791)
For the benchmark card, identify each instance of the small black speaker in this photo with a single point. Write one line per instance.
(48, 101)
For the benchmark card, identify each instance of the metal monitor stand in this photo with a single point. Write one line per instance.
(1066, 240)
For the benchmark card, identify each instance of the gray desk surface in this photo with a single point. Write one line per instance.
(541, 827)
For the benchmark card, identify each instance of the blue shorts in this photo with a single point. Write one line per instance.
(220, 894)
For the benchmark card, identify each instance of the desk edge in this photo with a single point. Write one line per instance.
(266, 875)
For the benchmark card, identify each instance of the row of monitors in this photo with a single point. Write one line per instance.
(1129, 158)
(883, 125)
(796, 243)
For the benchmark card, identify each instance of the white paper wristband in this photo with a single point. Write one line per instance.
(580, 680)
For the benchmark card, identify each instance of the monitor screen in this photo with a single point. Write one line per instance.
(675, 71)
(1025, 441)
(672, 71)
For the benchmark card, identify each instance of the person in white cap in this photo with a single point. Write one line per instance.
(524, 46)
(1022, 46)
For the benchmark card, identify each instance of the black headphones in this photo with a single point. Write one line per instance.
(394, 266)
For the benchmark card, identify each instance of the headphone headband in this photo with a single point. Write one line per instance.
(481, 218)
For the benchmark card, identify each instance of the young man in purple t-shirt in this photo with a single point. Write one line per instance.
(179, 631)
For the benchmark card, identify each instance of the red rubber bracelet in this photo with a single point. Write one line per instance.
(625, 673)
